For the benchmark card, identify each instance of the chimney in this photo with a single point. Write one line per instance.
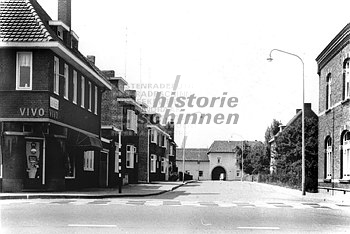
(64, 11)
(91, 58)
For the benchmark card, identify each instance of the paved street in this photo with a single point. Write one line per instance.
(200, 207)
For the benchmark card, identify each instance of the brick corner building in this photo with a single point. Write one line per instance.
(50, 102)
(334, 113)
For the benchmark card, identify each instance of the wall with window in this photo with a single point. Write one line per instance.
(334, 120)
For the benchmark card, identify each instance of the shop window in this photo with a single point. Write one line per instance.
(153, 163)
(24, 69)
(130, 156)
(66, 81)
(89, 161)
(69, 166)
(346, 156)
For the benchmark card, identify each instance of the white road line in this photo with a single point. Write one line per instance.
(260, 228)
(91, 225)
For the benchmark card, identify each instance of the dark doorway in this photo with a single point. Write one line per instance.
(218, 173)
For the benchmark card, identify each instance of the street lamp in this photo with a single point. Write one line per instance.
(302, 122)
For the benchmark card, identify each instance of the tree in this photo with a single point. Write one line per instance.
(254, 157)
(288, 154)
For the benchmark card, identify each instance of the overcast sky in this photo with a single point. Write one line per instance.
(216, 47)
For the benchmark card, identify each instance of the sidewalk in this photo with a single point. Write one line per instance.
(321, 196)
(132, 190)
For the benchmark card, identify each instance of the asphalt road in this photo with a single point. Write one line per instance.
(209, 207)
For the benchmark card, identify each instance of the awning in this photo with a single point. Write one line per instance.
(82, 140)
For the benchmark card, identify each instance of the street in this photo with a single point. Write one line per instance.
(199, 207)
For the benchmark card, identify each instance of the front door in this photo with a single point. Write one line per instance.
(34, 164)
(103, 177)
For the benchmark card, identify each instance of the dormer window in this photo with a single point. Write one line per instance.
(61, 27)
(60, 32)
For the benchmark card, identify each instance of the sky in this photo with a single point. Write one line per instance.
(215, 47)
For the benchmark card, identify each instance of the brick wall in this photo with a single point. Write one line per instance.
(336, 120)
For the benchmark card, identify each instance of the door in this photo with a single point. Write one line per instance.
(103, 177)
(34, 164)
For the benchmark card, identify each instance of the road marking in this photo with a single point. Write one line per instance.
(205, 224)
(260, 228)
(91, 225)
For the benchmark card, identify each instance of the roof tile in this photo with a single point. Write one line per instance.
(20, 22)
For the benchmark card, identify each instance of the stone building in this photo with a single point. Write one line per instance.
(334, 113)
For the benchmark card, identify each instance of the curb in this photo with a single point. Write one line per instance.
(86, 196)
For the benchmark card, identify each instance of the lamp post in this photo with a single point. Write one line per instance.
(302, 122)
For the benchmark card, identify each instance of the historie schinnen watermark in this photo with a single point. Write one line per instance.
(192, 101)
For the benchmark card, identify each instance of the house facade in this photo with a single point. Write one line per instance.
(50, 102)
(196, 162)
(334, 113)
(157, 149)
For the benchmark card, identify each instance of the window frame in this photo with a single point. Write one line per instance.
(90, 96)
(154, 136)
(130, 156)
(56, 72)
(96, 99)
(329, 155)
(328, 91)
(82, 94)
(116, 159)
(75, 87)
(346, 156)
(346, 81)
(153, 161)
(66, 81)
(89, 158)
(18, 78)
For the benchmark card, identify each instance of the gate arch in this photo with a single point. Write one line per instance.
(216, 172)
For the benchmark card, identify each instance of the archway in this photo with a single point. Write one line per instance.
(217, 171)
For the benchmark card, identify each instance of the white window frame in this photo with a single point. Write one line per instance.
(90, 96)
(96, 98)
(171, 150)
(116, 159)
(153, 166)
(154, 136)
(130, 156)
(164, 140)
(329, 158)
(56, 79)
(82, 88)
(66, 81)
(346, 156)
(18, 78)
(131, 120)
(75, 87)
(329, 91)
(347, 79)
(163, 165)
(89, 157)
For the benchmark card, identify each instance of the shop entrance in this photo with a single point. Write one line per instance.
(33, 178)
